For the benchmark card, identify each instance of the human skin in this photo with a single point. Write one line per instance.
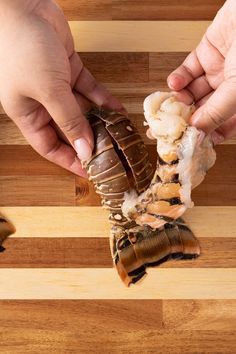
(208, 77)
(44, 86)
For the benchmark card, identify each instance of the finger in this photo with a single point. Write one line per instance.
(65, 111)
(203, 100)
(185, 73)
(46, 142)
(87, 85)
(85, 106)
(225, 131)
(217, 109)
(199, 88)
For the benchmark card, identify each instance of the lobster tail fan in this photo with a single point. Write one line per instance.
(141, 247)
(6, 229)
(190, 243)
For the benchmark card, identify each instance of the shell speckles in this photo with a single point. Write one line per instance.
(145, 209)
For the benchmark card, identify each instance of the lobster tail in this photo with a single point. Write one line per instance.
(144, 209)
(141, 247)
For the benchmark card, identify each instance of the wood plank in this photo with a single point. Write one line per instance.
(85, 193)
(37, 190)
(165, 10)
(74, 222)
(24, 340)
(136, 10)
(87, 9)
(162, 64)
(9, 132)
(104, 283)
(221, 177)
(22, 160)
(86, 314)
(11, 135)
(210, 315)
(120, 326)
(132, 36)
(95, 253)
(118, 67)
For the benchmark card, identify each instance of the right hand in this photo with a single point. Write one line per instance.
(44, 86)
(208, 77)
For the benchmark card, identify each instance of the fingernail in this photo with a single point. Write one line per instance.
(217, 138)
(83, 149)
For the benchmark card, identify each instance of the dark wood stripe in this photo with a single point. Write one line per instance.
(165, 10)
(139, 10)
(22, 160)
(219, 186)
(37, 190)
(23, 172)
(114, 326)
(95, 253)
(197, 314)
(118, 67)
(162, 64)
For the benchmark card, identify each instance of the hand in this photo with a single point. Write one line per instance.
(44, 86)
(208, 77)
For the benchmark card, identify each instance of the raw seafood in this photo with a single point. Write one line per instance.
(145, 207)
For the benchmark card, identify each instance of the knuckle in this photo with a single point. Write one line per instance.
(49, 152)
(53, 90)
(215, 116)
(71, 126)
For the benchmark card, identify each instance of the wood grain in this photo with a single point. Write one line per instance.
(104, 283)
(35, 327)
(118, 67)
(131, 98)
(207, 315)
(135, 9)
(9, 132)
(22, 160)
(85, 339)
(132, 36)
(87, 9)
(162, 64)
(95, 253)
(37, 190)
(92, 221)
(165, 10)
(17, 161)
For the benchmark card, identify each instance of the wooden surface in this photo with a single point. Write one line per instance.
(58, 291)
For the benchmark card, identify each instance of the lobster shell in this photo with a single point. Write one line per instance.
(119, 163)
(6, 229)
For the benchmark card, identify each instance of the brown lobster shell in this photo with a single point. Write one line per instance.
(120, 161)
(6, 229)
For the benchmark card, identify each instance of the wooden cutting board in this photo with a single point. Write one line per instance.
(58, 291)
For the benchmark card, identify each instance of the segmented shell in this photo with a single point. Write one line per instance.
(119, 163)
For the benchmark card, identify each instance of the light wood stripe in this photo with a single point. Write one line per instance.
(105, 284)
(93, 221)
(141, 36)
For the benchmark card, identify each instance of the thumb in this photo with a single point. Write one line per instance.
(65, 111)
(218, 108)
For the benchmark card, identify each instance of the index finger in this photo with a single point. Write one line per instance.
(185, 73)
